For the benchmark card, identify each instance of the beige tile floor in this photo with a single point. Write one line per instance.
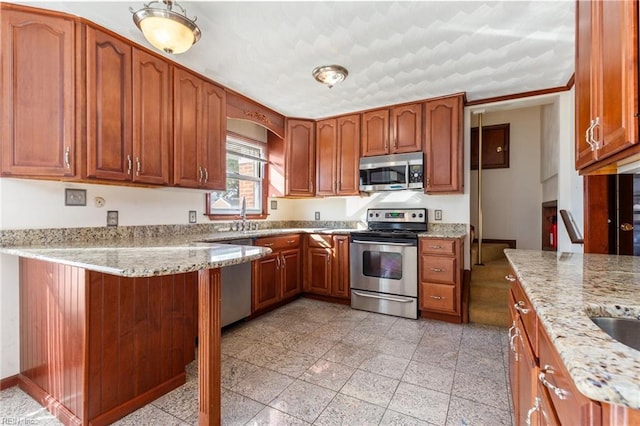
(312, 362)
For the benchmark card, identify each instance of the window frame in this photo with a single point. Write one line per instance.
(264, 183)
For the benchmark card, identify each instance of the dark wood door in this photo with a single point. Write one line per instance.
(213, 157)
(37, 127)
(375, 133)
(340, 267)
(348, 156)
(406, 128)
(266, 282)
(187, 90)
(326, 156)
(109, 129)
(291, 271)
(583, 79)
(300, 158)
(152, 118)
(319, 271)
(444, 145)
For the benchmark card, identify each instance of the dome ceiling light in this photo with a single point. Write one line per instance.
(330, 74)
(165, 28)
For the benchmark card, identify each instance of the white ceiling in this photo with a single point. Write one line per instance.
(395, 51)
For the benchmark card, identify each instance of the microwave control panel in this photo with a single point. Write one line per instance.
(415, 173)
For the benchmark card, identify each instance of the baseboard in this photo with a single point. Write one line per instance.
(49, 403)
(452, 318)
(511, 243)
(330, 299)
(8, 382)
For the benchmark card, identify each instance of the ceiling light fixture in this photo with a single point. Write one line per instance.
(330, 74)
(165, 28)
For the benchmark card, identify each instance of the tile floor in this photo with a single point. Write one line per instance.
(312, 362)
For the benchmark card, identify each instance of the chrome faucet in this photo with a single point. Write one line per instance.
(243, 214)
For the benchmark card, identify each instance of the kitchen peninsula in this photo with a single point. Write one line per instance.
(108, 326)
(583, 375)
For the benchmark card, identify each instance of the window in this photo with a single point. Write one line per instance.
(245, 172)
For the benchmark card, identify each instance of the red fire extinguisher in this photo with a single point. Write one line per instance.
(553, 232)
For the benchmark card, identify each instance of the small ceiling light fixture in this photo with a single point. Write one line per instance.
(330, 74)
(165, 28)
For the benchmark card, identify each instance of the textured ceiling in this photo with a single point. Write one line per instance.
(395, 51)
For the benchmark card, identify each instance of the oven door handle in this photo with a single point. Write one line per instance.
(373, 296)
(383, 243)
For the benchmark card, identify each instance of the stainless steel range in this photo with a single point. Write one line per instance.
(384, 262)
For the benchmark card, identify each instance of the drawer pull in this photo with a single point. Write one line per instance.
(519, 307)
(435, 247)
(437, 269)
(512, 338)
(291, 241)
(536, 407)
(267, 244)
(561, 393)
(510, 278)
(437, 297)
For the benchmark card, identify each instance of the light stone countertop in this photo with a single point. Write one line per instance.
(566, 289)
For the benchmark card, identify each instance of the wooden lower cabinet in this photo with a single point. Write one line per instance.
(278, 276)
(95, 347)
(327, 266)
(440, 279)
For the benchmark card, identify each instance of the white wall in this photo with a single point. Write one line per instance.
(512, 198)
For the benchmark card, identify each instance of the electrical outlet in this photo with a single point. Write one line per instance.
(317, 215)
(192, 216)
(274, 204)
(75, 197)
(112, 218)
(437, 215)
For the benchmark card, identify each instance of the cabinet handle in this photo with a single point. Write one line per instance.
(560, 393)
(200, 174)
(588, 137)
(513, 332)
(519, 307)
(67, 155)
(129, 165)
(428, 181)
(267, 244)
(536, 407)
(435, 247)
(437, 269)
(311, 185)
(278, 262)
(437, 297)
(206, 175)
(510, 278)
(291, 241)
(138, 166)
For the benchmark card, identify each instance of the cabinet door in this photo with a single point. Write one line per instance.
(318, 271)
(340, 267)
(527, 376)
(213, 138)
(291, 271)
(583, 79)
(348, 156)
(152, 118)
(326, 155)
(266, 282)
(300, 158)
(375, 133)
(109, 110)
(38, 107)
(186, 128)
(406, 128)
(444, 145)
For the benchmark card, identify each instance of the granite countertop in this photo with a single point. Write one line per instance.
(567, 289)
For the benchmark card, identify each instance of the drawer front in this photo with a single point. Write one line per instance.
(319, 240)
(280, 242)
(524, 309)
(438, 269)
(438, 297)
(571, 407)
(437, 246)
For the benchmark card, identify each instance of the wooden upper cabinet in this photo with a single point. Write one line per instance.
(326, 155)
(444, 145)
(392, 131)
(406, 128)
(300, 158)
(348, 156)
(199, 132)
(375, 133)
(109, 107)
(38, 106)
(606, 79)
(152, 119)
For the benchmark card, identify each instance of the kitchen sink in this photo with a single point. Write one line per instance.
(624, 330)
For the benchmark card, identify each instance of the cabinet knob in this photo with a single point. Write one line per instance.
(519, 307)
(626, 227)
(510, 278)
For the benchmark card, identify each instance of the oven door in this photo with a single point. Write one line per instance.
(385, 267)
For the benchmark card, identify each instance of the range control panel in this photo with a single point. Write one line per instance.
(397, 215)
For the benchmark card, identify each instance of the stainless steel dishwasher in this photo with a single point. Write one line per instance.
(236, 288)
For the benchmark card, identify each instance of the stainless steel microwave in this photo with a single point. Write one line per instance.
(392, 172)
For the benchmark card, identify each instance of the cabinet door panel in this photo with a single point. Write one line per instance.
(375, 133)
(108, 106)
(38, 107)
(291, 270)
(213, 135)
(319, 271)
(186, 127)
(266, 282)
(439, 269)
(438, 297)
(406, 128)
(326, 152)
(152, 119)
(348, 160)
(340, 267)
(300, 155)
(583, 79)
(527, 372)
